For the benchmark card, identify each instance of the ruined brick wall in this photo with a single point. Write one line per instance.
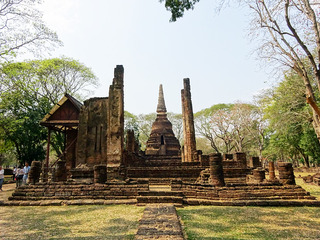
(188, 123)
(101, 127)
(92, 142)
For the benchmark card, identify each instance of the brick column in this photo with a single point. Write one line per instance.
(61, 171)
(100, 173)
(241, 158)
(216, 170)
(254, 162)
(34, 174)
(259, 175)
(188, 123)
(286, 175)
(272, 175)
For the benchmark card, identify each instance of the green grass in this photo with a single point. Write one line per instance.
(70, 222)
(212, 222)
(312, 188)
(203, 222)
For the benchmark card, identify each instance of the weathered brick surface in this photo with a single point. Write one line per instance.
(159, 222)
(188, 124)
(73, 190)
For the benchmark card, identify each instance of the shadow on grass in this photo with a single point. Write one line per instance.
(70, 222)
(250, 222)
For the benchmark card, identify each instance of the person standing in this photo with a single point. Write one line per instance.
(14, 173)
(26, 170)
(1, 177)
(19, 176)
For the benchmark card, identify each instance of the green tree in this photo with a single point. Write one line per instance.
(178, 7)
(291, 131)
(232, 127)
(28, 91)
(22, 29)
(177, 125)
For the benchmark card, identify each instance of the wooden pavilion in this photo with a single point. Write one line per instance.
(64, 117)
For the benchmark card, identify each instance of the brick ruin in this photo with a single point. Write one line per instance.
(97, 167)
(162, 141)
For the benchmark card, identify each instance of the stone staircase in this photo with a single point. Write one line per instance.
(150, 197)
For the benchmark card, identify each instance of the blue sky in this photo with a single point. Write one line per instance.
(211, 49)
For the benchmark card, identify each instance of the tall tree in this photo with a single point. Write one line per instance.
(22, 29)
(28, 91)
(230, 127)
(289, 35)
(289, 121)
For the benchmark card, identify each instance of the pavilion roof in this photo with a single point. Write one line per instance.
(64, 115)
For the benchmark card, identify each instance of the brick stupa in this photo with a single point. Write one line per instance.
(162, 140)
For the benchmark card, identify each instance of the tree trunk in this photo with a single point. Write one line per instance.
(306, 160)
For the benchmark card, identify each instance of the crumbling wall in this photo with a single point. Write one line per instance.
(91, 143)
(101, 127)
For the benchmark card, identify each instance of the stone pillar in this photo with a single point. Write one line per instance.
(216, 170)
(115, 134)
(34, 174)
(188, 123)
(61, 172)
(204, 161)
(241, 159)
(286, 175)
(130, 143)
(259, 175)
(272, 175)
(100, 173)
(254, 162)
(71, 143)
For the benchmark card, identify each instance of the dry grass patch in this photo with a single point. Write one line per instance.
(251, 222)
(70, 222)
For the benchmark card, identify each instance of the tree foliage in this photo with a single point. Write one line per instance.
(230, 127)
(28, 91)
(178, 7)
(22, 29)
(291, 135)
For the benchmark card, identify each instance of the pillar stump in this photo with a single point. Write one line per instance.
(35, 171)
(60, 174)
(254, 162)
(286, 175)
(272, 175)
(216, 170)
(100, 174)
(259, 175)
(241, 158)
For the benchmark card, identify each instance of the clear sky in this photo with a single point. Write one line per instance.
(211, 49)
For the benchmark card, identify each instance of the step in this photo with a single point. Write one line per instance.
(159, 199)
(160, 193)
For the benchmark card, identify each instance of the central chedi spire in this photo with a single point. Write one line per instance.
(162, 140)
(161, 108)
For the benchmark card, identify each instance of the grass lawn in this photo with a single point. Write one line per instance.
(210, 222)
(70, 222)
(267, 223)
